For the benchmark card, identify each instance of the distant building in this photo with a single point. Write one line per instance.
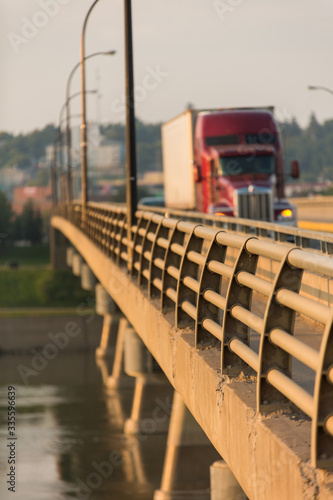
(110, 156)
(11, 177)
(104, 157)
(49, 153)
(41, 197)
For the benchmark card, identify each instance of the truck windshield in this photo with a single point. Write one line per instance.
(246, 164)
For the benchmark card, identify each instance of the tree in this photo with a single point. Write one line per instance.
(31, 223)
(24, 151)
(314, 129)
(5, 214)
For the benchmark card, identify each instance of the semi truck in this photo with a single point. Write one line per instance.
(227, 162)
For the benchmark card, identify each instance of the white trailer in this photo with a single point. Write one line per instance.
(177, 152)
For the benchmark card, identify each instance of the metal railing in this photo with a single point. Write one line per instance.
(207, 278)
(279, 233)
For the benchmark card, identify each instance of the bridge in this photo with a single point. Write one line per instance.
(238, 316)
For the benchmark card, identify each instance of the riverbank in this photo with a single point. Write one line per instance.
(40, 287)
(36, 312)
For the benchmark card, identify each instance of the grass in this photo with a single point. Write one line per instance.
(36, 255)
(40, 288)
(33, 312)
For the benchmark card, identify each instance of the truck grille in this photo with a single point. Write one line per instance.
(254, 203)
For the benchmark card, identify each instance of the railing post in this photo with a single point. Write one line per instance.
(139, 239)
(187, 268)
(157, 252)
(276, 316)
(322, 421)
(242, 296)
(171, 259)
(209, 281)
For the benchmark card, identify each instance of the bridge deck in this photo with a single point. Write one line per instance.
(268, 453)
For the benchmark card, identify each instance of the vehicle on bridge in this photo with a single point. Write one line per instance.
(227, 162)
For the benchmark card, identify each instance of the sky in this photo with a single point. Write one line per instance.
(210, 53)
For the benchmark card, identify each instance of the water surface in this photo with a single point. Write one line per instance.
(70, 441)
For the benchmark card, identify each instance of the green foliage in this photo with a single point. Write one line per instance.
(5, 214)
(42, 178)
(40, 288)
(61, 288)
(312, 147)
(18, 288)
(24, 151)
(148, 139)
(25, 256)
(30, 224)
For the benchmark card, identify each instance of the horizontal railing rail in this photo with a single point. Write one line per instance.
(207, 278)
(279, 233)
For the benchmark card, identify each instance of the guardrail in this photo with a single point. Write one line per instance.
(187, 267)
(279, 233)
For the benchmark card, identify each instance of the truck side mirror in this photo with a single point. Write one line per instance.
(197, 173)
(295, 169)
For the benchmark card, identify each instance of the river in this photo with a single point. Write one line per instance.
(68, 440)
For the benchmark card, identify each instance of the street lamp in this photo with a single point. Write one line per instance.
(68, 140)
(131, 192)
(319, 87)
(64, 107)
(84, 187)
(53, 171)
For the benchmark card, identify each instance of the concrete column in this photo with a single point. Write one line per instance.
(58, 246)
(105, 306)
(152, 391)
(88, 279)
(77, 262)
(109, 336)
(119, 379)
(104, 303)
(70, 252)
(224, 485)
(188, 457)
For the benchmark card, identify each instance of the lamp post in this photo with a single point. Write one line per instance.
(131, 193)
(64, 107)
(84, 187)
(53, 171)
(319, 87)
(68, 137)
(131, 180)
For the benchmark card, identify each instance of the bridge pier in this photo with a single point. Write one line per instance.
(224, 485)
(153, 392)
(106, 307)
(188, 457)
(70, 252)
(88, 279)
(119, 379)
(58, 247)
(77, 262)
(109, 336)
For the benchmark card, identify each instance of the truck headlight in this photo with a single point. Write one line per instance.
(286, 214)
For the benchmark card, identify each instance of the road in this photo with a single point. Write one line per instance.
(315, 213)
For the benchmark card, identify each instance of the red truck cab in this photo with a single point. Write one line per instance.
(238, 166)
